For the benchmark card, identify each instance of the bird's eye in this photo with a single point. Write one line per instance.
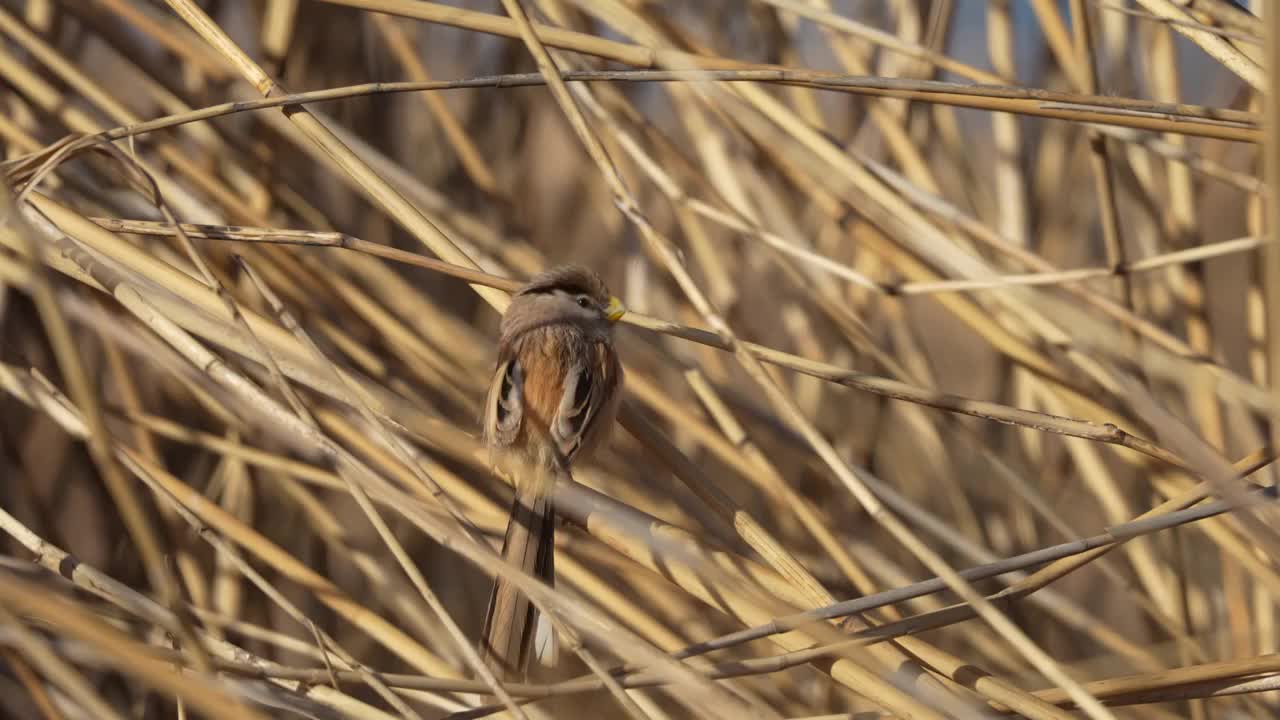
(583, 301)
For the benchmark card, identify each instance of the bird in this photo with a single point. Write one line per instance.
(552, 400)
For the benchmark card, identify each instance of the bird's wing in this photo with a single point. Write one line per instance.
(504, 405)
(586, 398)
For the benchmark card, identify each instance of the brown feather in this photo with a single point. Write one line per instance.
(508, 625)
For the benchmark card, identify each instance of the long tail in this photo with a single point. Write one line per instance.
(509, 627)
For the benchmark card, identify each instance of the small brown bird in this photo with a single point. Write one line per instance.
(553, 399)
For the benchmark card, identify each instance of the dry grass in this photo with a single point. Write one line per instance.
(934, 305)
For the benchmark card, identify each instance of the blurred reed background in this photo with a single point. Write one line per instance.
(916, 286)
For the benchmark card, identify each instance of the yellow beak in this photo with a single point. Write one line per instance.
(615, 309)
